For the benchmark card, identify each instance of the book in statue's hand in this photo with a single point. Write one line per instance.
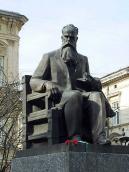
(83, 84)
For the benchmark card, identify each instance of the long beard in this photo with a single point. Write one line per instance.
(69, 54)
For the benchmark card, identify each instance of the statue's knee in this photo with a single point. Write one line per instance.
(77, 95)
(96, 94)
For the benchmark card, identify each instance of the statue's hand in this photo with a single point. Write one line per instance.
(94, 83)
(55, 94)
(55, 91)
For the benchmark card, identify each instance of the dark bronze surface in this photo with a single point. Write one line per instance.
(64, 73)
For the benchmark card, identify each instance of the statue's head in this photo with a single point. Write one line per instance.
(69, 35)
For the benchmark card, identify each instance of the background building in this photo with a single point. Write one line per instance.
(10, 99)
(10, 25)
(116, 89)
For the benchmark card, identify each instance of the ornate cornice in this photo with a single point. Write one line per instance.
(12, 18)
(115, 76)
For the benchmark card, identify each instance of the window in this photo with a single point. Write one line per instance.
(115, 119)
(115, 86)
(1, 70)
(115, 105)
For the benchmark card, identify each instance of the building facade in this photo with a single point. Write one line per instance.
(10, 25)
(116, 89)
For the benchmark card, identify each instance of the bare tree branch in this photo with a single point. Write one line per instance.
(10, 114)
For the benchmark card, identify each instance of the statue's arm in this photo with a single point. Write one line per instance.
(41, 76)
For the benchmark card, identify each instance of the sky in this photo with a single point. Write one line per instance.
(103, 31)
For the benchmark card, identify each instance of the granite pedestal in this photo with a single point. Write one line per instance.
(73, 158)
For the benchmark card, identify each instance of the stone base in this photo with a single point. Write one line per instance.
(72, 159)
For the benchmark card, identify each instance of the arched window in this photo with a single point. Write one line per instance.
(3, 46)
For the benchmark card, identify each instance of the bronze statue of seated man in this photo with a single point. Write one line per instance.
(65, 73)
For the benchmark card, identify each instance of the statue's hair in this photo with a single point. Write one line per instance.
(70, 28)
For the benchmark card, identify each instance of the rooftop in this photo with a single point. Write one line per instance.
(126, 68)
(115, 75)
